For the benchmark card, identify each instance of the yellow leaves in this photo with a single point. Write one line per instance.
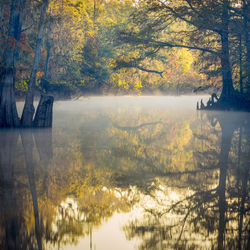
(117, 82)
(90, 34)
(123, 84)
(186, 59)
(110, 21)
(21, 85)
(123, 81)
(137, 87)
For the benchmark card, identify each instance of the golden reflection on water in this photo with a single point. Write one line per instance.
(127, 173)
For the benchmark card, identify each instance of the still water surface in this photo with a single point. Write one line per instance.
(127, 173)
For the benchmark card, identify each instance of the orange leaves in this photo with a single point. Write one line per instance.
(23, 38)
(12, 41)
(22, 44)
(39, 74)
(25, 47)
(6, 12)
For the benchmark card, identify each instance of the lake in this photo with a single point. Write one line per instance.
(126, 173)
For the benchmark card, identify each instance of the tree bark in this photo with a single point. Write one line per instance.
(8, 110)
(245, 11)
(240, 62)
(29, 110)
(44, 113)
(46, 71)
(227, 88)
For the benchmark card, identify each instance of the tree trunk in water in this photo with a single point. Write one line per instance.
(8, 110)
(44, 113)
(29, 110)
(227, 88)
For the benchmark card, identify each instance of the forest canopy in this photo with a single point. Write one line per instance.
(84, 47)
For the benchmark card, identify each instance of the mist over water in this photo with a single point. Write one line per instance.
(85, 107)
(127, 173)
(95, 104)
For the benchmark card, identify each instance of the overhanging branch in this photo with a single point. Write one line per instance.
(161, 44)
(133, 39)
(150, 70)
(134, 65)
(166, 44)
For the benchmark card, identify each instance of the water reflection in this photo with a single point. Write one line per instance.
(17, 233)
(181, 177)
(9, 212)
(212, 199)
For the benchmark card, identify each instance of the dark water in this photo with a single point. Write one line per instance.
(127, 173)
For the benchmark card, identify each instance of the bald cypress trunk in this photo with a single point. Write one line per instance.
(29, 110)
(8, 110)
(227, 88)
(46, 71)
(43, 117)
(245, 10)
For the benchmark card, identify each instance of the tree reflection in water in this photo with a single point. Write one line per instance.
(9, 212)
(46, 203)
(17, 233)
(190, 176)
(206, 209)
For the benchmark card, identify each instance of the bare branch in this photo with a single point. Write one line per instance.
(150, 70)
(27, 28)
(134, 65)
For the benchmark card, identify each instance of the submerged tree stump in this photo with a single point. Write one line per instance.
(44, 112)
